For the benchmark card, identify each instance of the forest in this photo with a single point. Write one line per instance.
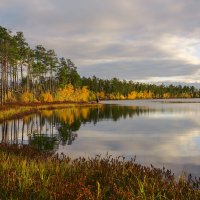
(39, 75)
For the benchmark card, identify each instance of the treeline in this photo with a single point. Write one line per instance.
(38, 74)
(117, 89)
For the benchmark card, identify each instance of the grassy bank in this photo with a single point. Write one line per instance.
(28, 174)
(14, 110)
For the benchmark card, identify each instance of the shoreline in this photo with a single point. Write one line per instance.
(10, 111)
(17, 110)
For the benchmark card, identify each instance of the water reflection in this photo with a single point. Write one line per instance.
(158, 133)
(51, 128)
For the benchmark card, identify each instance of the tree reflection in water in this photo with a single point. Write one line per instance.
(51, 128)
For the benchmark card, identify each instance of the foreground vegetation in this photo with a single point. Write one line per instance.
(29, 174)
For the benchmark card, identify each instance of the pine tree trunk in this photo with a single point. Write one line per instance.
(3, 83)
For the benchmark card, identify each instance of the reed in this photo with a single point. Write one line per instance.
(30, 174)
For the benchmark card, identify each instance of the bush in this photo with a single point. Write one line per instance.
(46, 97)
(27, 97)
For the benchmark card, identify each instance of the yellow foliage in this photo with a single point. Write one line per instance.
(166, 95)
(68, 93)
(76, 95)
(27, 97)
(65, 94)
(140, 95)
(59, 95)
(122, 97)
(101, 95)
(84, 94)
(116, 96)
(112, 96)
(132, 95)
(47, 113)
(145, 95)
(70, 114)
(67, 115)
(119, 96)
(85, 113)
(71, 119)
(62, 114)
(10, 97)
(46, 97)
(186, 95)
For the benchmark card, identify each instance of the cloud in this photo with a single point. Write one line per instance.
(140, 39)
(186, 49)
(169, 141)
(135, 70)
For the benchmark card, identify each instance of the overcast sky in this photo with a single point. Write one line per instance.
(139, 40)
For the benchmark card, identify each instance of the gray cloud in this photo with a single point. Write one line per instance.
(137, 39)
(134, 70)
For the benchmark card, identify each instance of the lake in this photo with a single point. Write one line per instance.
(159, 132)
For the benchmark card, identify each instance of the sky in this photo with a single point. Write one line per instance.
(139, 40)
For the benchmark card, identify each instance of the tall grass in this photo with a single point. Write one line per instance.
(28, 174)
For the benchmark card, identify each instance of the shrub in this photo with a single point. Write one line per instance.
(46, 97)
(65, 94)
(27, 97)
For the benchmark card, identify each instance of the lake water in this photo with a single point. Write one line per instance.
(159, 132)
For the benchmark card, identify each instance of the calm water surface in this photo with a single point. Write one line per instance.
(159, 132)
